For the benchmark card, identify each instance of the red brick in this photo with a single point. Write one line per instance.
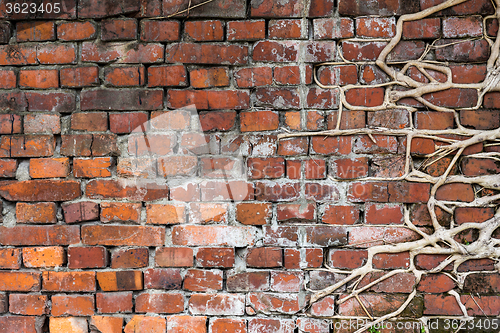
(462, 51)
(269, 325)
(41, 124)
(89, 121)
(130, 258)
(408, 192)
(51, 54)
(480, 119)
(8, 168)
(92, 168)
(143, 324)
(286, 281)
(39, 79)
(52, 256)
(268, 303)
(220, 304)
(74, 305)
(215, 257)
(248, 281)
(202, 213)
(293, 146)
(318, 51)
(206, 54)
(347, 259)
(349, 168)
(18, 55)
(209, 99)
(70, 31)
(264, 257)
(165, 214)
(10, 124)
(13, 324)
(120, 280)
(124, 123)
(424, 28)
(204, 30)
(28, 305)
(344, 215)
(293, 120)
(10, 258)
(365, 96)
(272, 51)
(177, 165)
(349, 119)
(212, 236)
(161, 278)
(117, 302)
(383, 145)
(221, 325)
(8, 79)
(49, 167)
(107, 323)
(338, 75)
(359, 7)
(253, 213)
(122, 53)
(97, 9)
(246, 30)
(473, 214)
(436, 283)
(259, 121)
(87, 257)
(174, 257)
(120, 212)
(359, 51)
(160, 31)
(42, 212)
(455, 192)
(271, 167)
(287, 29)
(80, 211)
(228, 190)
(271, 9)
(376, 27)
(112, 189)
(277, 192)
(124, 76)
(118, 29)
(35, 31)
(333, 28)
(383, 214)
(288, 75)
(253, 77)
(396, 119)
(203, 280)
(362, 237)
(69, 281)
(170, 120)
(379, 304)
(124, 99)
(159, 303)
(184, 324)
(40, 190)
(211, 77)
(121, 235)
(391, 260)
(330, 145)
(218, 121)
(475, 7)
(294, 212)
(19, 281)
(459, 27)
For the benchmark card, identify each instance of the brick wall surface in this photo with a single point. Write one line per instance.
(145, 189)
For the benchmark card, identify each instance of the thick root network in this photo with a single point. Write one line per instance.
(442, 240)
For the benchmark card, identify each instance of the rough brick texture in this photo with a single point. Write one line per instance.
(144, 187)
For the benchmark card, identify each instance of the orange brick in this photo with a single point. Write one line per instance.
(51, 256)
(184, 324)
(209, 77)
(19, 281)
(40, 212)
(39, 78)
(120, 280)
(74, 305)
(165, 214)
(49, 167)
(92, 167)
(68, 324)
(35, 31)
(174, 257)
(29, 305)
(10, 258)
(144, 324)
(107, 324)
(120, 212)
(7, 79)
(254, 213)
(68, 31)
(68, 281)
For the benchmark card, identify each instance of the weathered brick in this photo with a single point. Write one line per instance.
(124, 76)
(273, 51)
(52, 256)
(178, 324)
(219, 304)
(107, 323)
(205, 54)
(160, 278)
(114, 302)
(87, 257)
(40, 235)
(287, 29)
(140, 324)
(123, 235)
(28, 305)
(70, 31)
(120, 280)
(68, 281)
(159, 303)
(160, 31)
(74, 305)
(211, 77)
(124, 99)
(269, 8)
(253, 77)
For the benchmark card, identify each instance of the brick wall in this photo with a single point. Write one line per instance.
(145, 189)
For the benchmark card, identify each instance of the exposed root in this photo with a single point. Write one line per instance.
(443, 239)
